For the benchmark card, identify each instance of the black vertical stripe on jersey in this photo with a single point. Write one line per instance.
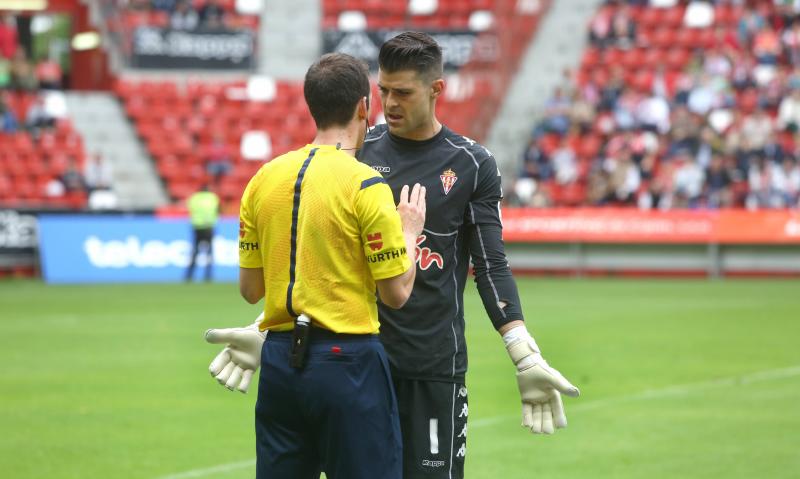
(293, 247)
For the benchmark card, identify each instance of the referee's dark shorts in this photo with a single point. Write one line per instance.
(338, 414)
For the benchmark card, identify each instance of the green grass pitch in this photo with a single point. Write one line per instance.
(679, 379)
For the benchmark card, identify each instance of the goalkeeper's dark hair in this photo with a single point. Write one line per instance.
(412, 51)
(333, 86)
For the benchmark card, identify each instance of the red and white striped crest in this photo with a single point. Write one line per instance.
(448, 178)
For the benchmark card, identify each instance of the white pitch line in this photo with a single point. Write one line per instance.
(677, 390)
(231, 466)
(681, 389)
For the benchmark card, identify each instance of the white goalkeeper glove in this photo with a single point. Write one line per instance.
(540, 386)
(235, 365)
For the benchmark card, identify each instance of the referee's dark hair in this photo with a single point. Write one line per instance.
(412, 51)
(333, 86)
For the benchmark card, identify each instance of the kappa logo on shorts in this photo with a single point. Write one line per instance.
(462, 451)
(381, 169)
(374, 241)
(432, 463)
(448, 178)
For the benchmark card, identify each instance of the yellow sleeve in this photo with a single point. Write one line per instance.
(249, 247)
(381, 230)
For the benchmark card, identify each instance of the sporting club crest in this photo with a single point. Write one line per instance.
(448, 178)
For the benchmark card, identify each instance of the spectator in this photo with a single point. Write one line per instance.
(184, 17)
(218, 159)
(97, 173)
(717, 63)
(72, 179)
(773, 150)
(791, 43)
(565, 163)
(742, 71)
(48, 74)
(683, 135)
(5, 73)
(212, 15)
(767, 46)
(535, 163)
(708, 145)
(759, 179)
(718, 184)
(702, 98)
(652, 114)
(785, 183)
(789, 112)
(757, 127)
(9, 41)
(23, 75)
(689, 180)
(139, 5)
(600, 28)
(623, 29)
(163, 5)
(624, 178)
(38, 117)
(750, 23)
(556, 111)
(8, 120)
(612, 90)
(625, 109)
(582, 112)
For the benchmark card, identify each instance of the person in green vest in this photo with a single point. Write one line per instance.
(203, 213)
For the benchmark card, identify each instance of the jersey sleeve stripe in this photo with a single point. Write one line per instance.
(293, 247)
(372, 181)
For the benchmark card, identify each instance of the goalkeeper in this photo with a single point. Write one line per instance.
(425, 339)
(319, 232)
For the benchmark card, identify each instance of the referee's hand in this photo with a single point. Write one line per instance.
(412, 209)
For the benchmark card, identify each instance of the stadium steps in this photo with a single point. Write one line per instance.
(554, 47)
(290, 37)
(100, 120)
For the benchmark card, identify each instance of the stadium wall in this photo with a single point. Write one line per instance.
(631, 242)
(69, 248)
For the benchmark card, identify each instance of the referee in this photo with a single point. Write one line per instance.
(319, 233)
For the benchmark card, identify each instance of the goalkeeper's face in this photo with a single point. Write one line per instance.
(408, 100)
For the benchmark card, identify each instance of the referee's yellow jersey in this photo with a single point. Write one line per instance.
(324, 227)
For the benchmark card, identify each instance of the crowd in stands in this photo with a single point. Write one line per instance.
(183, 15)
(703, 113)
(186, 15)
(42, 160)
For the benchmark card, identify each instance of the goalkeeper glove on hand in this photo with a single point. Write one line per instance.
(235, 365)
(540, 386)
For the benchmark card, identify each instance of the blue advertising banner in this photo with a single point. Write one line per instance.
(99, 249)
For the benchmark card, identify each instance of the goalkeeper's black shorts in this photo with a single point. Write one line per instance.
(433, 421)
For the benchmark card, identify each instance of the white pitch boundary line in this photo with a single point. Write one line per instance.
(232, 466)
(677, 390)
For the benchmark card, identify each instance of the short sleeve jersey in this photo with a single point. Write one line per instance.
(324, 228)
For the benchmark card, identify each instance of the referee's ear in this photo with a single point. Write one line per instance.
(363, 108)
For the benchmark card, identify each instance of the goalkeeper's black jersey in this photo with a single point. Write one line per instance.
(425, 339)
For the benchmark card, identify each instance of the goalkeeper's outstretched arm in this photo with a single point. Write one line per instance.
(235, 365)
